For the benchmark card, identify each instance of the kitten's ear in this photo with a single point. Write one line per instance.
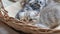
(23, 2)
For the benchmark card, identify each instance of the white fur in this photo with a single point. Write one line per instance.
(30, 10)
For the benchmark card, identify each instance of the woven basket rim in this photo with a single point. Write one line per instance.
(22, 26)
(7, 19)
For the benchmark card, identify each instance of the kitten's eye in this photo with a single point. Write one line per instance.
(29, 0)
(40, 2)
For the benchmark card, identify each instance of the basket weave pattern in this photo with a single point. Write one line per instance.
(22, 26)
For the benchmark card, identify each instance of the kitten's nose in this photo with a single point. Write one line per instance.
(35, 6)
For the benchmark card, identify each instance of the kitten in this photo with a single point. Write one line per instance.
(50, 15)
(30, 8)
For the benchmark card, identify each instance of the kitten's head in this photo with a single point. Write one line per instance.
(34, 4)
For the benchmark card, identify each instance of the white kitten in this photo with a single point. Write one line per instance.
(31, 9)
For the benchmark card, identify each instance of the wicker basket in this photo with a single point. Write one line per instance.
(22, 26)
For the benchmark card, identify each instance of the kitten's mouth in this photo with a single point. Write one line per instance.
(35, 6)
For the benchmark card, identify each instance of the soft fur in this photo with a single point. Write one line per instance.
(30, 8)
(50, 15)
(47, 14)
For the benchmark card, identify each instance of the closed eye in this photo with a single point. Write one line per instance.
(42, 3)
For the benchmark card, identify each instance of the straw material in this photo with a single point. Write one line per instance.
(22, 25)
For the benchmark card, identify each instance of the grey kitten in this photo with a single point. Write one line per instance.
(50, 15)
(31, 10)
